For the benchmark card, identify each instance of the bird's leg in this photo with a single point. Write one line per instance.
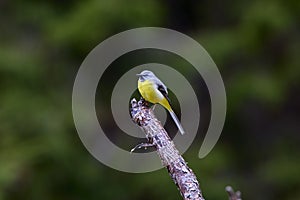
(144, 102)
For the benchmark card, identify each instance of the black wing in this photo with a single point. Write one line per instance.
(162, 89)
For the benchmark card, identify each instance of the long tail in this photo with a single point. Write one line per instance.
(177, 122)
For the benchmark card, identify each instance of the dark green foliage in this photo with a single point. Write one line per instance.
(255, 45)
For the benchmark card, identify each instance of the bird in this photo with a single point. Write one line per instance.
(154, 91)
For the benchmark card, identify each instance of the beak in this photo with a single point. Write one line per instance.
(139, 75)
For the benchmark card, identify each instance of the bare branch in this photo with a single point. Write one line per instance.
(233, 195)
(178, 169)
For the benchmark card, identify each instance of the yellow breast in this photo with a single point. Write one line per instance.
(149, 92)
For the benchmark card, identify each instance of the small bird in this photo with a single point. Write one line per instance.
(154, 91)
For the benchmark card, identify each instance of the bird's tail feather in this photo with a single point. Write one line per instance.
(176, 120)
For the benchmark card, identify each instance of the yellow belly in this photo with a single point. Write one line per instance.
(150, 93)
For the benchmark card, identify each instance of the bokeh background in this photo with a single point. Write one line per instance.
(255, 44)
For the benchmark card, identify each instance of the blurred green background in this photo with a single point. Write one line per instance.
(255, 44)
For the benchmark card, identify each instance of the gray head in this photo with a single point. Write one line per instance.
(146, 74)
